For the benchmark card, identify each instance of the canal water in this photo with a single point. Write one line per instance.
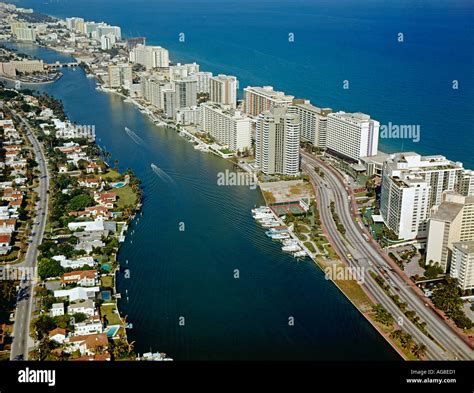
(183, 297)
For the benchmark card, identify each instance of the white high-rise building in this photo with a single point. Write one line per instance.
(462, 264)
(150, 56)
(411, 186)
(107, 41)
(187, 116)
(352, 135)
(223, 90)
(110, 30)
(120, 75)
(466, 183)
(203, 81)
(277, 142)
(25, 34)
(450, 222)
(313, 122)
(260, 99)
(17, 25)
(72, 23)
(186, 93)
(152, 90)
(180, 71)
(227, 126)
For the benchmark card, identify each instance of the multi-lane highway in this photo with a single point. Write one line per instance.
(358, 252)
(21, 331)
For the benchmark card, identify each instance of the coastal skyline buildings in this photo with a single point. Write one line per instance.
(228, 126)
(150, 56)
(120, 75)
(450, 222)
(462, 265)
(260, 99)
(277, 142)
(314, 120)
(411, 185)
(223, 90)
(352, 135)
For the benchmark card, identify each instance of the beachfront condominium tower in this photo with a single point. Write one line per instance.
(466, 183)
(450, 222)
(203, 81)
(313, 122)
(223, 90)
(352, 135)
(277, 142)
(26, 34)
(186, 93)
(17, 25)
(180, 71)
(411, 186)
(152, 88)
(228, 126)
(260, 99)
(462, 264)
(120, 75)
(150, 56)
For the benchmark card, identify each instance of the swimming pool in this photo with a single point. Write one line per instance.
(118, 184)
(112, 330)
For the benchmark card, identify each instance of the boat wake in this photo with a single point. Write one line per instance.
(134, 136)
(161, 174)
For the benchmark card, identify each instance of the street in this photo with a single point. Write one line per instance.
(357, 251)
(21, 331)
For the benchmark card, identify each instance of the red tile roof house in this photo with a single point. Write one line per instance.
(5, 240)
(58, 335)
(90, 181)
(91, 168)
(7, 225)
(88, 344)
(84, 278)
(98, 211)
(106, 199)
(11, 194)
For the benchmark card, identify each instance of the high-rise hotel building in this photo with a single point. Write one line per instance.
(223, 90)
(450, 222)
(277, 142)
(462, 264)
(120, 75)
(411, 186)
(313, 122)
(260, 99)
(228, 126)
(352, 135)
(150, 56)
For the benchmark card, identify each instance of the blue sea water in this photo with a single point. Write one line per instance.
(408, 83)
(190, 274)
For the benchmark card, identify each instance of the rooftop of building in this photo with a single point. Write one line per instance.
(447, 211)
(467, 247)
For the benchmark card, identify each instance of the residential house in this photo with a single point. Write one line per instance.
(58, 335)
(57, 309)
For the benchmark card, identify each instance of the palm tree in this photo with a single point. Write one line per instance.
(419, 350)
(396, 334)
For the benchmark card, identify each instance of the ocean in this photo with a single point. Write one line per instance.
(188, 275)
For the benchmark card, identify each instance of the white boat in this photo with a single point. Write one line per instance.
(299, 254)
(289, 242)
(291, 248)
(270, 224)
(280, 236)
(261, 209)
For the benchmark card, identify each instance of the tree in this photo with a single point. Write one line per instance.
(419, 350)
(49, 268)
(80, 202)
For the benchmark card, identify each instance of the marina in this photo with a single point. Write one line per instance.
(265, 216)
